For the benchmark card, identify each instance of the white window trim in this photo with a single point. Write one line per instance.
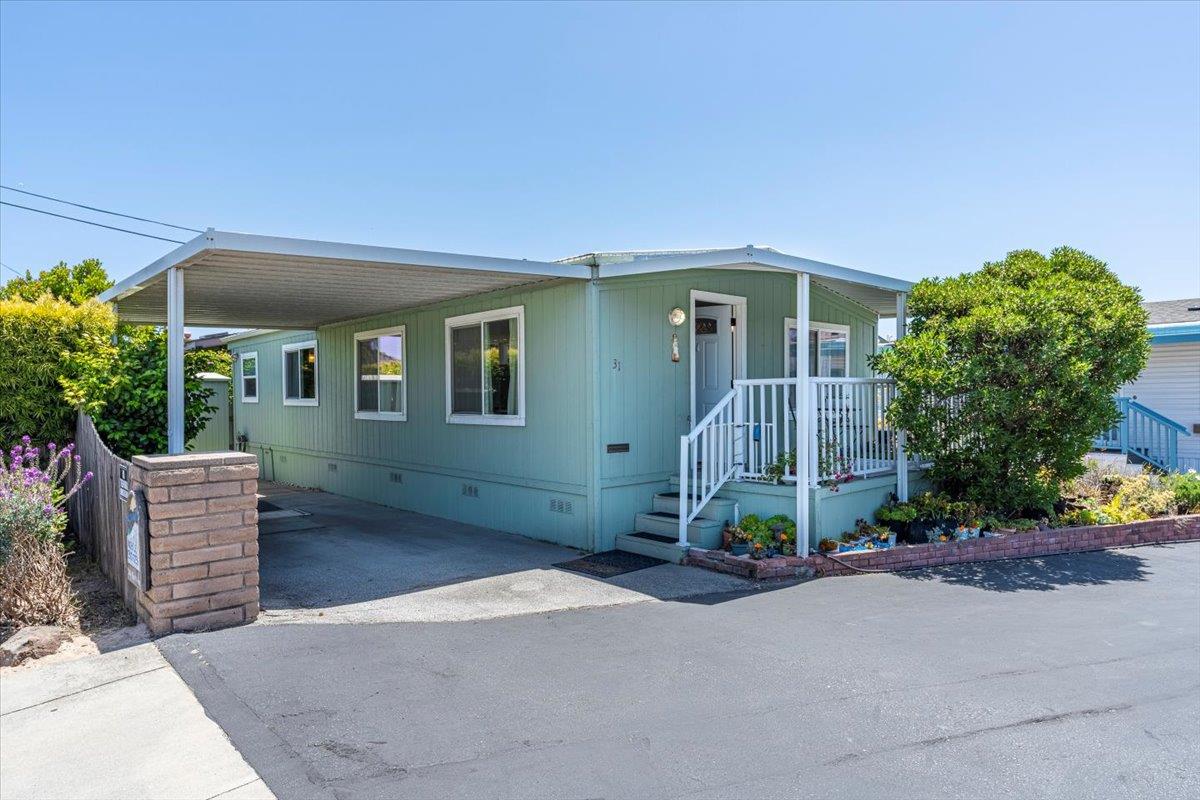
(832, 327)
(242, 376)
(522, 367)
(392, 416)
(301, 401)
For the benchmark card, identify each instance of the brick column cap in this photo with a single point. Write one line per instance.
(186, 460)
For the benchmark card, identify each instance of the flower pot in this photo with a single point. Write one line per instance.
(739, 548)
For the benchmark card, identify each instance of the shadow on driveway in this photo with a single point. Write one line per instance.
(347, 560)
(1039, 574)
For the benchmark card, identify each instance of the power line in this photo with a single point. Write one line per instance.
(89, 222)
(100, 210)
(10, 269)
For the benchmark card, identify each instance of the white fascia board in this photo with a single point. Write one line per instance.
(147, 273)
(311, 248)
(752, 256)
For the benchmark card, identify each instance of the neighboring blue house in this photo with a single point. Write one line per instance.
(566, 401)
(1161, 407)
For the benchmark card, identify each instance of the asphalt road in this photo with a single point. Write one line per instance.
(1070, 676)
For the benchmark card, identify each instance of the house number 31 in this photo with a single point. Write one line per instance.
(616, 367)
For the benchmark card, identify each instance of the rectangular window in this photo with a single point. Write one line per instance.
(485, 381)
(828, 349)
(380, 387)
(300, 374)
(249, 368)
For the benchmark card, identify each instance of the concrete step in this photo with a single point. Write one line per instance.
(651, 544)
(718, 508)
(700, 532)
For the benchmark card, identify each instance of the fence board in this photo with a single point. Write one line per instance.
(96, 510)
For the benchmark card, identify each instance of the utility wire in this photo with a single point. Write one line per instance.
(89, 222)
(10, 269)
(100, 210)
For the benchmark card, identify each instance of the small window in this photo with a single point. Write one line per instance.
(249, 367)
(300, 374)
(485, 380)
(380, 388)
(828, 349)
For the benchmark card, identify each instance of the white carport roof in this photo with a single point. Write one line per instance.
(250, 281)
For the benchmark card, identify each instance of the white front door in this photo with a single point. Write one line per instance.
(714, 357)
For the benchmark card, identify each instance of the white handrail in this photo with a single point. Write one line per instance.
(708, 458)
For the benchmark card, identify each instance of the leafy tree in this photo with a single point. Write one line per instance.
(1009, 372)
(128, 402)
(42, 344)
(75, 284)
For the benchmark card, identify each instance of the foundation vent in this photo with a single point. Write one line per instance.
(396, 477)
(561, 506)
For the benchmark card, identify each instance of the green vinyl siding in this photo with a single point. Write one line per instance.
(503, 477)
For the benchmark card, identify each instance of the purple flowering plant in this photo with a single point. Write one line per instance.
(34, 489)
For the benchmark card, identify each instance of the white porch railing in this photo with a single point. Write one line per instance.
(851, 432)
(751, 435)
(708, 457)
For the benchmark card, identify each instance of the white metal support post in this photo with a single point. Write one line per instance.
(901, 436)
(805, 438)
(174, 361)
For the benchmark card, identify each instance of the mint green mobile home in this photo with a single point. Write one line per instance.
(574, 401)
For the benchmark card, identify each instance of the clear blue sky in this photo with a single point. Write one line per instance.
(905, 139)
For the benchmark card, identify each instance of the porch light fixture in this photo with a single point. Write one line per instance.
(676, 318)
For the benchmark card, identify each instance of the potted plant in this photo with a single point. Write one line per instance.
(828, 545)
(739, 544)
(897, 516)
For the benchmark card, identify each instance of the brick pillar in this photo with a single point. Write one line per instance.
(203, 525)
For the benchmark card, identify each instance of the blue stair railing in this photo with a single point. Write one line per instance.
(1144, 433)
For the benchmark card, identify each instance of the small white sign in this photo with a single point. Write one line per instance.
(123, 484)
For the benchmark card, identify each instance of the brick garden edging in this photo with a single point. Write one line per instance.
(1014, 545)
(203, 526)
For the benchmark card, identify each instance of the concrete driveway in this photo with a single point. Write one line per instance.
(348, 561)
(1066, 676)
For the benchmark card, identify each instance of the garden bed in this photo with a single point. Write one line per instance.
(1028, 544)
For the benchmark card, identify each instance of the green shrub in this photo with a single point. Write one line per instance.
(76, 284)
(43, 344)
(1185, 486)
(1009, 372)
(128, 402)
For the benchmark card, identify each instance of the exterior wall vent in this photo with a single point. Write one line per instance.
(396, 477)
(332, 467)
(470, 490)
(561, 506)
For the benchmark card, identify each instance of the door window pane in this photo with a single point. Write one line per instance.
(500, 372)
(466, 378)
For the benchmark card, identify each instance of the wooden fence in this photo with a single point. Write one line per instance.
(96, 510)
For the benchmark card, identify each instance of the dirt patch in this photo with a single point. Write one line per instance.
(104, 622)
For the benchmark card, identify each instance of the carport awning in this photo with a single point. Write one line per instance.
(248, 281)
